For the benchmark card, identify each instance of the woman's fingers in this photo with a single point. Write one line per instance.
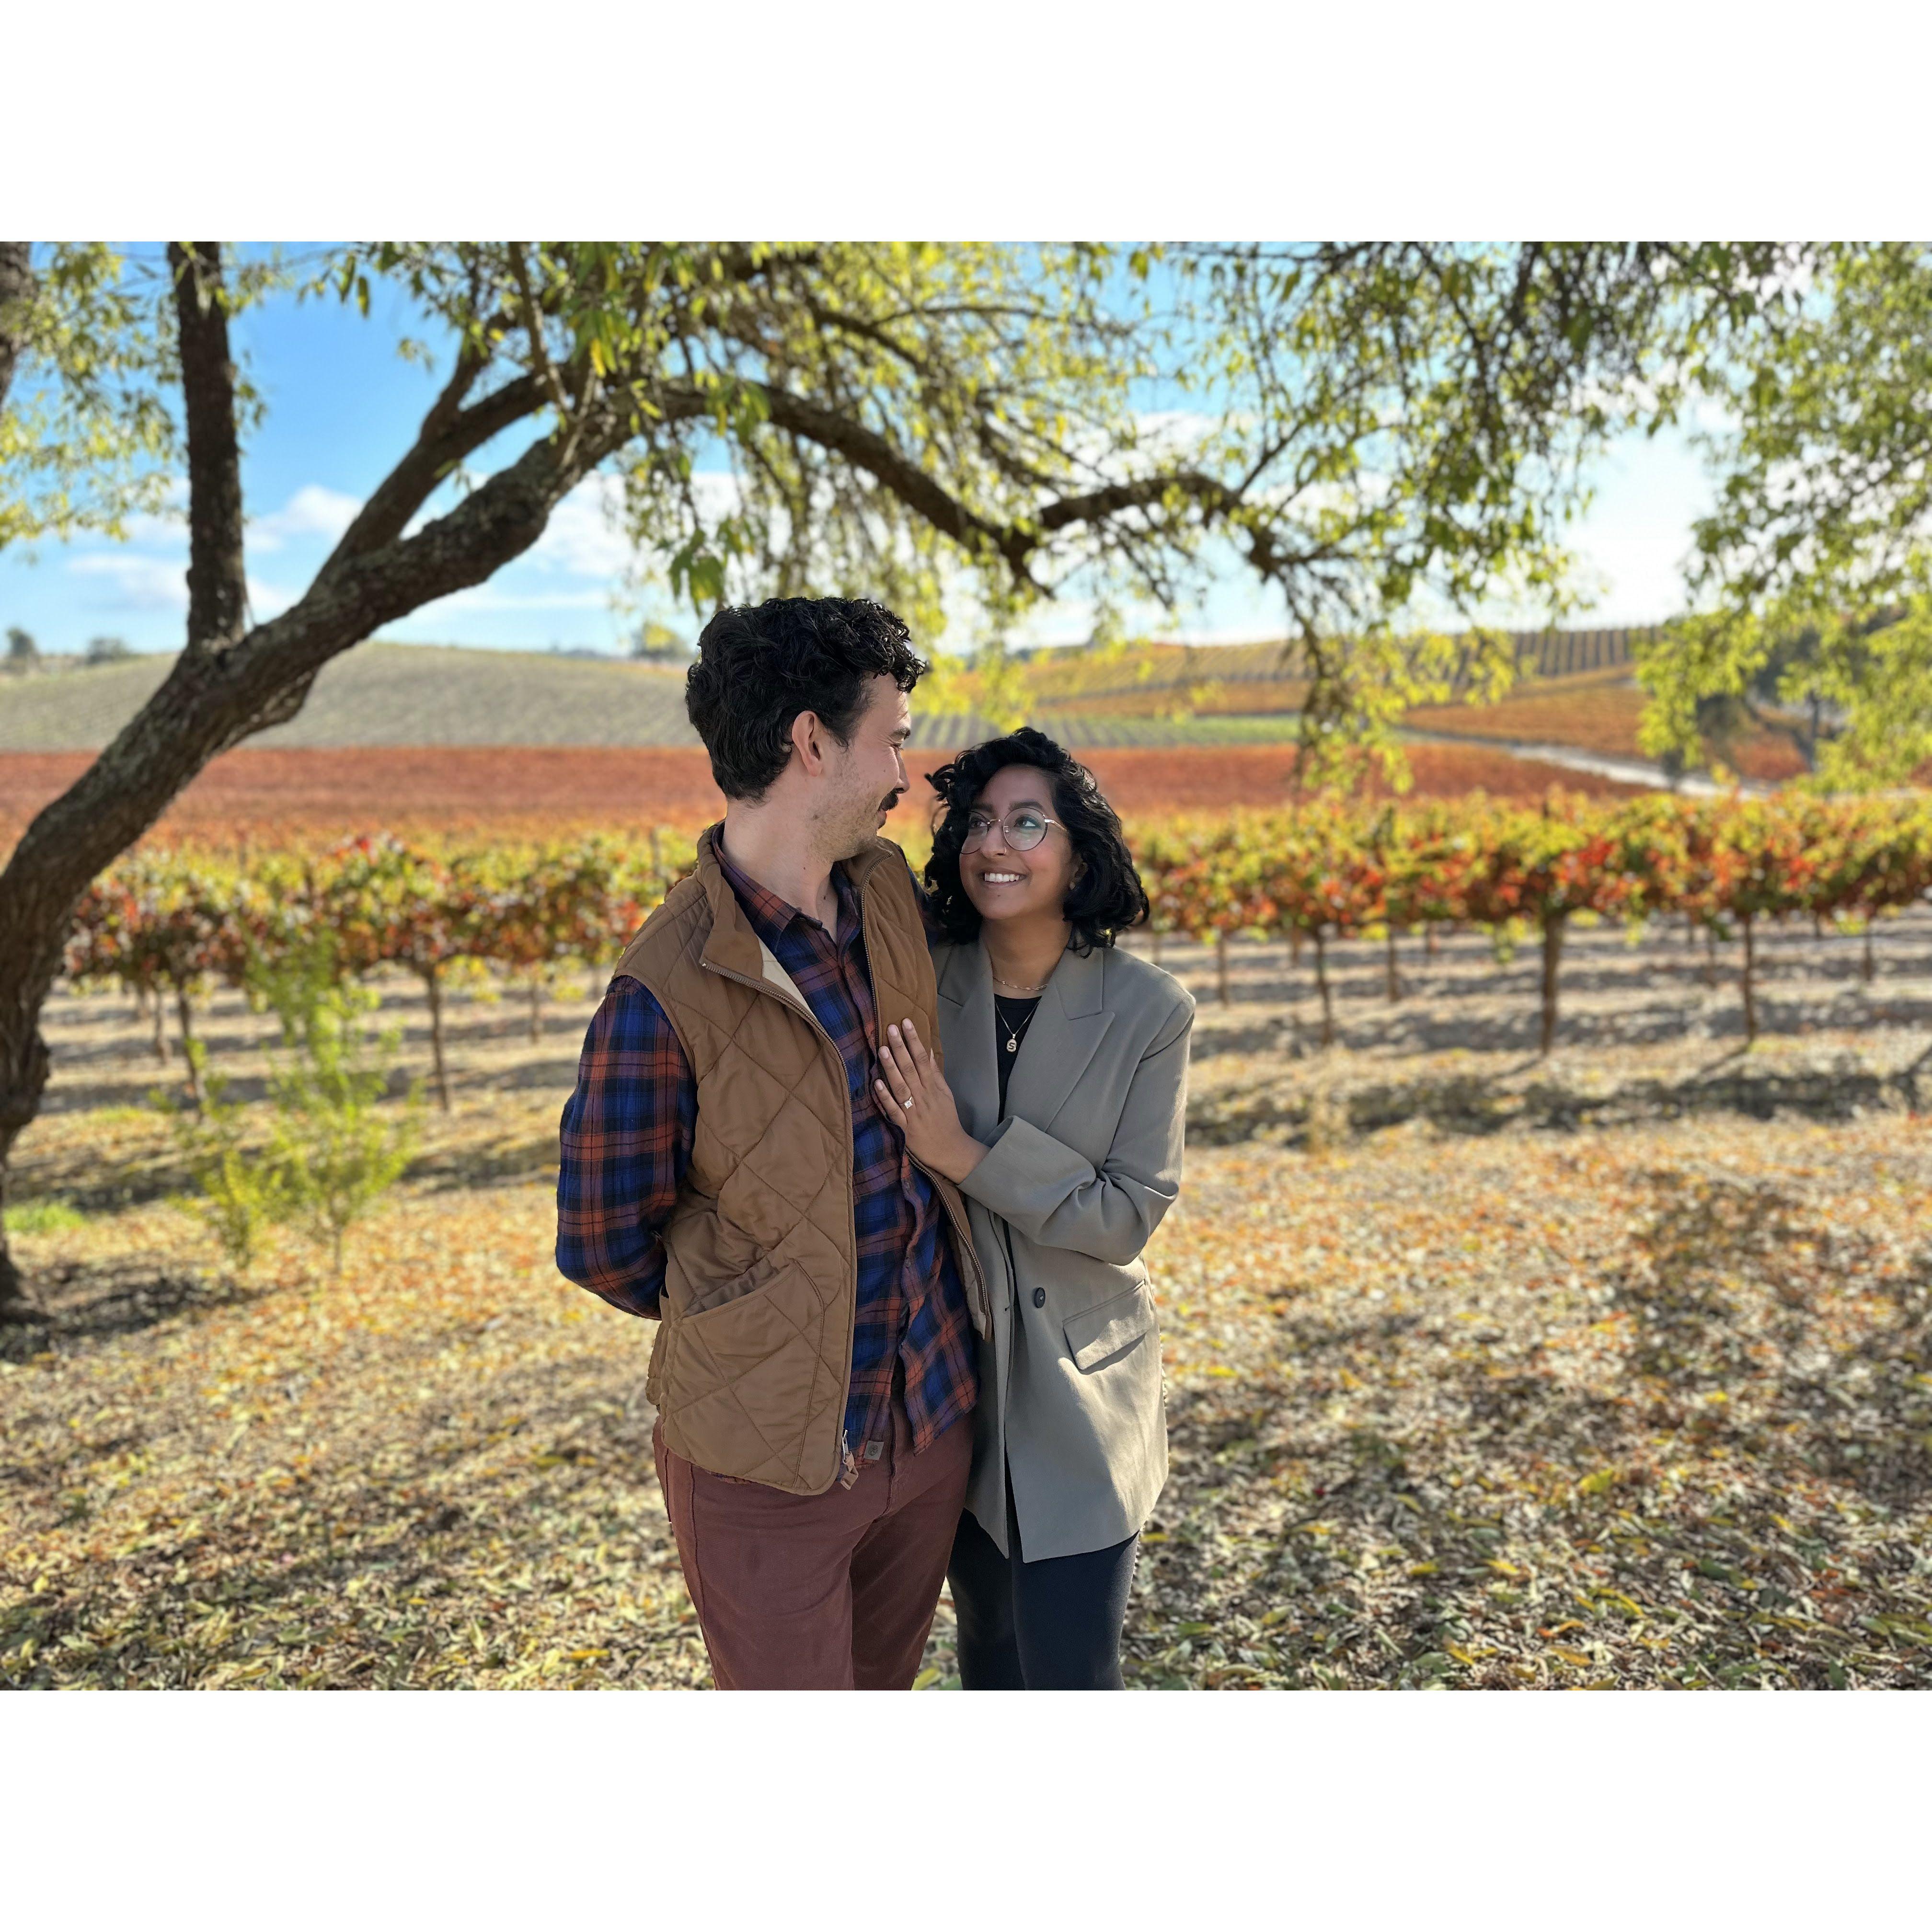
(889, 1099)
(900, 1050)
(921, 1058)
(899, 1071)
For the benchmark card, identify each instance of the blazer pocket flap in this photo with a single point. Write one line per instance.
(1101, 1333)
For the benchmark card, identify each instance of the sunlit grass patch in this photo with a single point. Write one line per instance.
(44, 1217)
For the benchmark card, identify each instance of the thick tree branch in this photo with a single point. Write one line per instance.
(449, 433)
(217, 577)
(866, 449)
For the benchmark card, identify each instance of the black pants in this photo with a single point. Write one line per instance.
(1053, 1625)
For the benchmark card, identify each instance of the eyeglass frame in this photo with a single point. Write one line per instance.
(968, 844)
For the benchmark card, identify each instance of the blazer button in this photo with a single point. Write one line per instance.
(1039, 1297)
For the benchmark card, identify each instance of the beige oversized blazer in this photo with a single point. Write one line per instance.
(1079, 1172)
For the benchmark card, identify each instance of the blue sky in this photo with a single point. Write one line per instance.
(342, 405)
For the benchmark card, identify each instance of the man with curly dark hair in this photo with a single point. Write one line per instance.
(730, 1170)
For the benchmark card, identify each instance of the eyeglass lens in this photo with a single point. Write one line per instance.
(1023, 831)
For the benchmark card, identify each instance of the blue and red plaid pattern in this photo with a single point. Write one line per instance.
(627, 1134)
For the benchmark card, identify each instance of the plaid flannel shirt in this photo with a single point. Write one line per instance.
(627, 1134)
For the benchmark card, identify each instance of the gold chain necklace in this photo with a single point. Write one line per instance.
(1014, 986)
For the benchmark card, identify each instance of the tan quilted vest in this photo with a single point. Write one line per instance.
(753, 1362)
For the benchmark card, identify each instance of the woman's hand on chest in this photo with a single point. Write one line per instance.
(914, 1090)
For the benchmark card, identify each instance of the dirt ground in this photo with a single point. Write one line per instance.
(1610, 1369)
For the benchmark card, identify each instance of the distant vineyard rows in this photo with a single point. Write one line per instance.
(169, 924)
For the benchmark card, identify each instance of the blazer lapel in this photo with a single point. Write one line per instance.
(971, 1071)
(1067, 1029)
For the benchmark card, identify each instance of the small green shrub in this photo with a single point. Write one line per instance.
(334, 1153)
(242, 1194)
(330, 1154)
(44, 1217)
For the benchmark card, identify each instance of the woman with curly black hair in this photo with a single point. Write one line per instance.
(1059, 1114)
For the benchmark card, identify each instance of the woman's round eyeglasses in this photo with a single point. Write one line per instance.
(1022, 829)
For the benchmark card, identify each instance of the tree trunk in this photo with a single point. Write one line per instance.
(1747, 978)
(1553, 925)
(536, 1008)
(1221, 966)
(432, 981)
(1428, 941)
(1710, 955)
(1322, 987)
(16, 288)
(1394, 979)
(1294, 947)
(222, 689)
(217, 572)
(160, 1032)
(1867, 966)
(183, 1012)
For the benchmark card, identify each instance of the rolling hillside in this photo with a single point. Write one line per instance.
(383, 695)
(416, 694)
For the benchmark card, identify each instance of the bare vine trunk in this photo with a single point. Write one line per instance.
(1322, 987)
(432, 981)
(1221, 966)
(184, 1012)
(1867, 966)
(536, 1008)
(1394, 979)
(1552, 957)
(1747, 979)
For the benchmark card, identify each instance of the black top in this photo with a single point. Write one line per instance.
(1011, 1019)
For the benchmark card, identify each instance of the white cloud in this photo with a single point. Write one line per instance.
(139, 583)
(583, 537)
(314, 510)
(487, 597)
(268, 600)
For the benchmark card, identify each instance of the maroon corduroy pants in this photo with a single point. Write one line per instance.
(834, 1592)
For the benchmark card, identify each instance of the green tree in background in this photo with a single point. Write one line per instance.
(1364, 424)
(1812, 577)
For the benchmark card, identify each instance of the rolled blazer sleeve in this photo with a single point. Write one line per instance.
(1055, 1196)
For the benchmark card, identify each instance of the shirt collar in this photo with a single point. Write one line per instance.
(771, 916)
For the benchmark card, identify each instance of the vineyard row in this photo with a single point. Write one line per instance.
(167, 924)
